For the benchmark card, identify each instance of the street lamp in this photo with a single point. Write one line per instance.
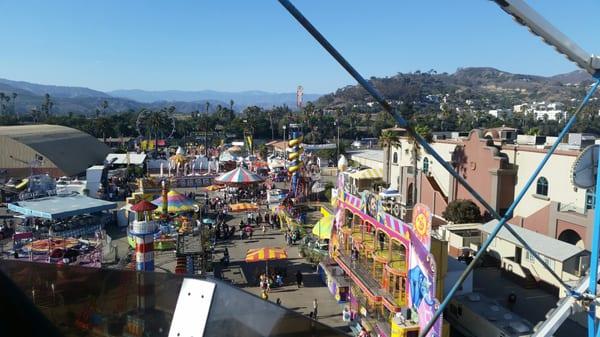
(284, 138)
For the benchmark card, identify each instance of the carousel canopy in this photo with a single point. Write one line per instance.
(239, 176)
(143, 206)
(176, 203)
(266, 254)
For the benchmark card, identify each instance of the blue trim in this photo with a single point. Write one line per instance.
(592, 321)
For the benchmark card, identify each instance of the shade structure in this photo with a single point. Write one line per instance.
(176, 203)
(243, 207)
(239, 176)
(143, 206)
(322, 228)
(368, 174)
(266, 254)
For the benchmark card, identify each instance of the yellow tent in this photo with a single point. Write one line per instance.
(322, 228)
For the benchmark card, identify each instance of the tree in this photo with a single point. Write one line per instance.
(231, 104)
(14, 102)
(47, 106)
(387, 140)
(462, 211)
(104, 106)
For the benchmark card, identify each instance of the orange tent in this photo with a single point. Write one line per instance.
(243, 207)
(266, 254)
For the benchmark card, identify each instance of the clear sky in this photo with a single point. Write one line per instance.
(239, 45)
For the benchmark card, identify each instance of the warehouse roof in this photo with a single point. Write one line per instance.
(71, 150)
(60, 207)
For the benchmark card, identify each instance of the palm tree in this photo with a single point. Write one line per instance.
(387, 140)
(47, 105)
(231, 104)
(104, 106)
(2, 106)
(207, 106)
(14, 101)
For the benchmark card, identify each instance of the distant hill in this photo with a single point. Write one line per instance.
(484, 87)
(54, 90)
(573, 77)
(241, 99)
(80, 100)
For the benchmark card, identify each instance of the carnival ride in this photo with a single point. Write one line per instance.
(584, 295)
(295, 163)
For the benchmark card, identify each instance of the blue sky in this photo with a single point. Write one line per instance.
(239, 45)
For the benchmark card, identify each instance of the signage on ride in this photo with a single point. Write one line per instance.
(421, 220)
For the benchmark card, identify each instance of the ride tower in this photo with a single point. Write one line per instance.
(295, 163)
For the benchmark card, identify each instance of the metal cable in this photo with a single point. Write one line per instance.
(402, 122)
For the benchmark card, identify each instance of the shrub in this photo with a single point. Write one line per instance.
(462, 211)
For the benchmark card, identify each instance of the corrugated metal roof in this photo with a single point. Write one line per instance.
(71, 150)
(545, 245)
(59, 207)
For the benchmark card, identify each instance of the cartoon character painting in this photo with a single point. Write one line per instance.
(422, 284)
(420, 288)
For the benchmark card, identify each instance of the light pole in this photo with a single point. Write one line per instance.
(284, 141)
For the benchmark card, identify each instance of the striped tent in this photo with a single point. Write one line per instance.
(176, 203)
(368, 174)
(266, 254)
(239, 176)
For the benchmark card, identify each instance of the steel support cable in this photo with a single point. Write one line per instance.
(402, 122)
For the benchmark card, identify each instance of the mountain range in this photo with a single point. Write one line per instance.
(81, 100)
(491, 86)
(483, 87)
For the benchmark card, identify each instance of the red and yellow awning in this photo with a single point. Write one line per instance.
(243, 207)
(266, 254)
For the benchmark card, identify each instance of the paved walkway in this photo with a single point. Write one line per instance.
(244, 275)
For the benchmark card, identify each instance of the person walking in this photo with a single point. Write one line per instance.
(299, 278)
(315, 308)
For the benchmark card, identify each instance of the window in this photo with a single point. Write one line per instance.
(549, 262)
(395, 160)
(542, 186)
(530, 258)
(590, 198)
(425, 165)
